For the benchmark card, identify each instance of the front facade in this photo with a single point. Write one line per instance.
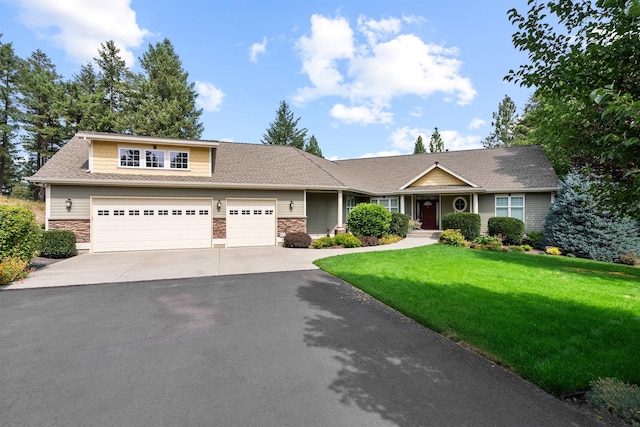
(123, 192)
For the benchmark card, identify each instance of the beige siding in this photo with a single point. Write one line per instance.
(437, 177)
(408, 205)
(486, 209)
(80, 197)
(322, 212)
(447, 203)
(536, 206)
(106, 160)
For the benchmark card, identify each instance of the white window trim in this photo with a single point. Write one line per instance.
(509, 205)
(167, 158)
(376, 199)
(466, 204)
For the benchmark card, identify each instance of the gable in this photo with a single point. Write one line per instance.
(437, 175)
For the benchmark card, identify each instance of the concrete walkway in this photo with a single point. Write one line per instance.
(137, 266)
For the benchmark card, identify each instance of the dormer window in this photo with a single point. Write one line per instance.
(179, 159)
(129, 158)
(153, 159)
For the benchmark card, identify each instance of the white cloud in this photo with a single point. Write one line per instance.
(380, 65)
(79, 26)
(209, 96)
(476, 123)
(382, 154)
(454, 141)
(404, 138)
(361, 114)
(257, 49)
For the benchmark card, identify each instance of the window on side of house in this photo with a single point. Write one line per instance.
(154, 159)
(390, 203)
(511, 206)
(179, 159)
(129, 157)
(351, 203)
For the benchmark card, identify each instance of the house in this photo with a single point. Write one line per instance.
(122, 192)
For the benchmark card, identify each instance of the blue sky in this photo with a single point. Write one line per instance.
(366, 78)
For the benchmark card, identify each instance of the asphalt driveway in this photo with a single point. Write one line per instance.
(273, 349)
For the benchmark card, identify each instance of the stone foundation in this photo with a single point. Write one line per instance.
(219, 228)
(292, 225)
(80, 227)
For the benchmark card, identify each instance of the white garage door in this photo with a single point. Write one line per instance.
(251, 222)
(150, 224)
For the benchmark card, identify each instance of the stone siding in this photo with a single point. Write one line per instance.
(292, 225)
(81, 228)
(219, 228)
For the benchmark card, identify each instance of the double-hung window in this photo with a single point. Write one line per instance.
(511, 206)
(391, 203)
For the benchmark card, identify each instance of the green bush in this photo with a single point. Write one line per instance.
(534, 239)
(526, 248)
(488, 243)
(516, 249)
(399, 225)
(297, 240)
(12, 268)
(58, 244)
(19, 233)
(467, 223)
(511, 229)
(616, 397)
(452, 238)
(323, 242)
(347, 240)
(369, 219)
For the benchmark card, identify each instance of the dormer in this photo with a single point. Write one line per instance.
(141, 155)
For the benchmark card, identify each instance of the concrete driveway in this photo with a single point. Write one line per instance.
(117, 267)
(274, 349)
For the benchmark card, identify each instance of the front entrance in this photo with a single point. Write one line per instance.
(428, 215)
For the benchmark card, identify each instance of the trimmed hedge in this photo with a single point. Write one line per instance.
(297, 240)
(58, 244)
(399, 225)
(19, 233)
(468, 224)
(511, 229)
(369, 219)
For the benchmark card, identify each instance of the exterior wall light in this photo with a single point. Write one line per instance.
(68, 203)
(291, 205)
(219, 204)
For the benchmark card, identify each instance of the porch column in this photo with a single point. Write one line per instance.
(475, 203)
(340, 220)
(401, 204)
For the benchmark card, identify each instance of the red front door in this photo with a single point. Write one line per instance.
(429, 216)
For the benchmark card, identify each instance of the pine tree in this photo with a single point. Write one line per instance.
(43, 99)
(578, 225)
(10, 65)
(436, 144)
(112, 83)
(284, 130)
(419, 146)
(313, 147)
(85, 109)
(163, 100)
(504, 125)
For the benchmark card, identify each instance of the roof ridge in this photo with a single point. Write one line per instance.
(307, 156)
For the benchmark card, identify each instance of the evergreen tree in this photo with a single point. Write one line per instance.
(419, 146)
(164, 101)
(313, 147)
(43, 99)
(504, 125)
(10, 66)
(85, 109)
(436, 144)
(111, 83)
(284, 130)
(579, 226)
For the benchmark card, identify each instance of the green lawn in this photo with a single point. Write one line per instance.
(558, 322)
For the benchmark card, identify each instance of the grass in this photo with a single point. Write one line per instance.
(36, 207)
(558, 322)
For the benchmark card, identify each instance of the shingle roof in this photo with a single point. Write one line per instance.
(238, 164)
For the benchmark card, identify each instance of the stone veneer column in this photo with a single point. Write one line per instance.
(219, 228)
(80, 227)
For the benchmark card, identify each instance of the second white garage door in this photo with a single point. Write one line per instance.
(121, 224)
(251, 222)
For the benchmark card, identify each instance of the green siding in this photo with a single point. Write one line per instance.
(536, 206)
(322, 212)
(486, 209)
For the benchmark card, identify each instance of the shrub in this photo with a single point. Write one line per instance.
(415, 224)
(526, 248)
(516, 249)
(551, 250)
(58, 244)
(616, 397)
(369, 219)
(630, 258)
(387, 240)
(297, 240)
(399, 225)
(369, 240)
(578, 225)
(323, 242)
(533, 238)
(21, 191)
(12, 268)
(347, 240)
(452, 238)
(467, 223)
(488, 243)
(19, 233)
(511, 229)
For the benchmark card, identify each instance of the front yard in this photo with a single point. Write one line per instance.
(558, 322)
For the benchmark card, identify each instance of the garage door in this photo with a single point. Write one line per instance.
(150, 224)
(251, 222)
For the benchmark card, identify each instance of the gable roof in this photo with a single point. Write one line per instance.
(272, 166)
